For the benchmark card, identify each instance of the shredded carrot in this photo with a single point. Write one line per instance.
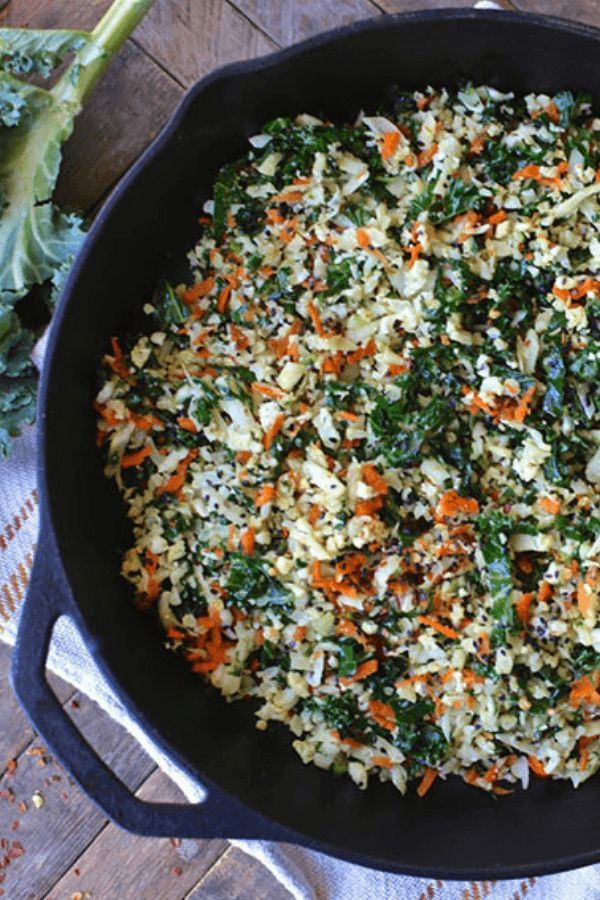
(333, 363)
(544, 590)
(265, 495)
(426, 781)
(414, 251)
(498, 217)
(223, 298)
(389, 144)
(350, 742)
(583, 691)
(384, 761)
(346, 628)
(425, 156)
(300, 632)
(108, 415)
(196, 291)
(585, 598)
(364, 670)
(551, 110)
(533, 173)
(478, 143)
(348, 416)
(523, 607)
(549, 505)
(398, 369)
(361, 353)
(283, 346)
(383, 714)
(131, 460)
(368, 507)
(314, 514)
(238, 337)
(242, 456)
(443, 629)
(316, 320)
(267, 390)
(451, 504)
(174, 484)
(288, 197)
(374, 479)
(288, 231)
(247, 542)
(582, 747)
(117, 363)
(362, 238)
(537, 767)
(176, 634)
(187, 424)
(273, 430)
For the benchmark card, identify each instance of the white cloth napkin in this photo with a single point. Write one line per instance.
(307, 875)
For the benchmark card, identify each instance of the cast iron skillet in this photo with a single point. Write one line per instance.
(257, 787)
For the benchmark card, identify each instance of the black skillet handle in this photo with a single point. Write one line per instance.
(219, 815)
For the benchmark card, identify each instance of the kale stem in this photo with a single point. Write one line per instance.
(108, 37)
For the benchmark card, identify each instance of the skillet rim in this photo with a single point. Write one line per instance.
(96, 233)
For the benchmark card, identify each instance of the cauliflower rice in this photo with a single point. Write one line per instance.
(361, 451)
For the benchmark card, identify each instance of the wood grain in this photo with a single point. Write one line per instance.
(54, 836)
(237, 876)
(190, 38)
(579, 10)
(287, 23)
(118, 864)
(115, 126)
(53, 13)
(15, 731)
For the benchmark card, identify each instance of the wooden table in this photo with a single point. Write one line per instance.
(70, 850)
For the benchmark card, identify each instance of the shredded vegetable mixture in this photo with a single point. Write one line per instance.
(361, 450)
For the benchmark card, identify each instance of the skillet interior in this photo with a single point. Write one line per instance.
(143, 234)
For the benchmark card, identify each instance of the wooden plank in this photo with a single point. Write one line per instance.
(118, 864)
(16, 733)
(579, 10)
(53, 13)
(54, 836)
(399, 6)
(189, 38)
(117, 123)
(287, 23)
(115, 126)
(237, 876)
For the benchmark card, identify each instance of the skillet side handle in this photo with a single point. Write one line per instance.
(220, 815)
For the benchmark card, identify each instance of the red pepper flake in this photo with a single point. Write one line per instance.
(15, 825)
(175, 842)
(74, 704)
(77, 872)
(11, 766)
(22, 806)
(4, 862)
(16, 850)
(177, 871)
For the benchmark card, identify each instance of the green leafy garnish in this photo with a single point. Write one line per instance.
(250, 583)
(38, 241)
